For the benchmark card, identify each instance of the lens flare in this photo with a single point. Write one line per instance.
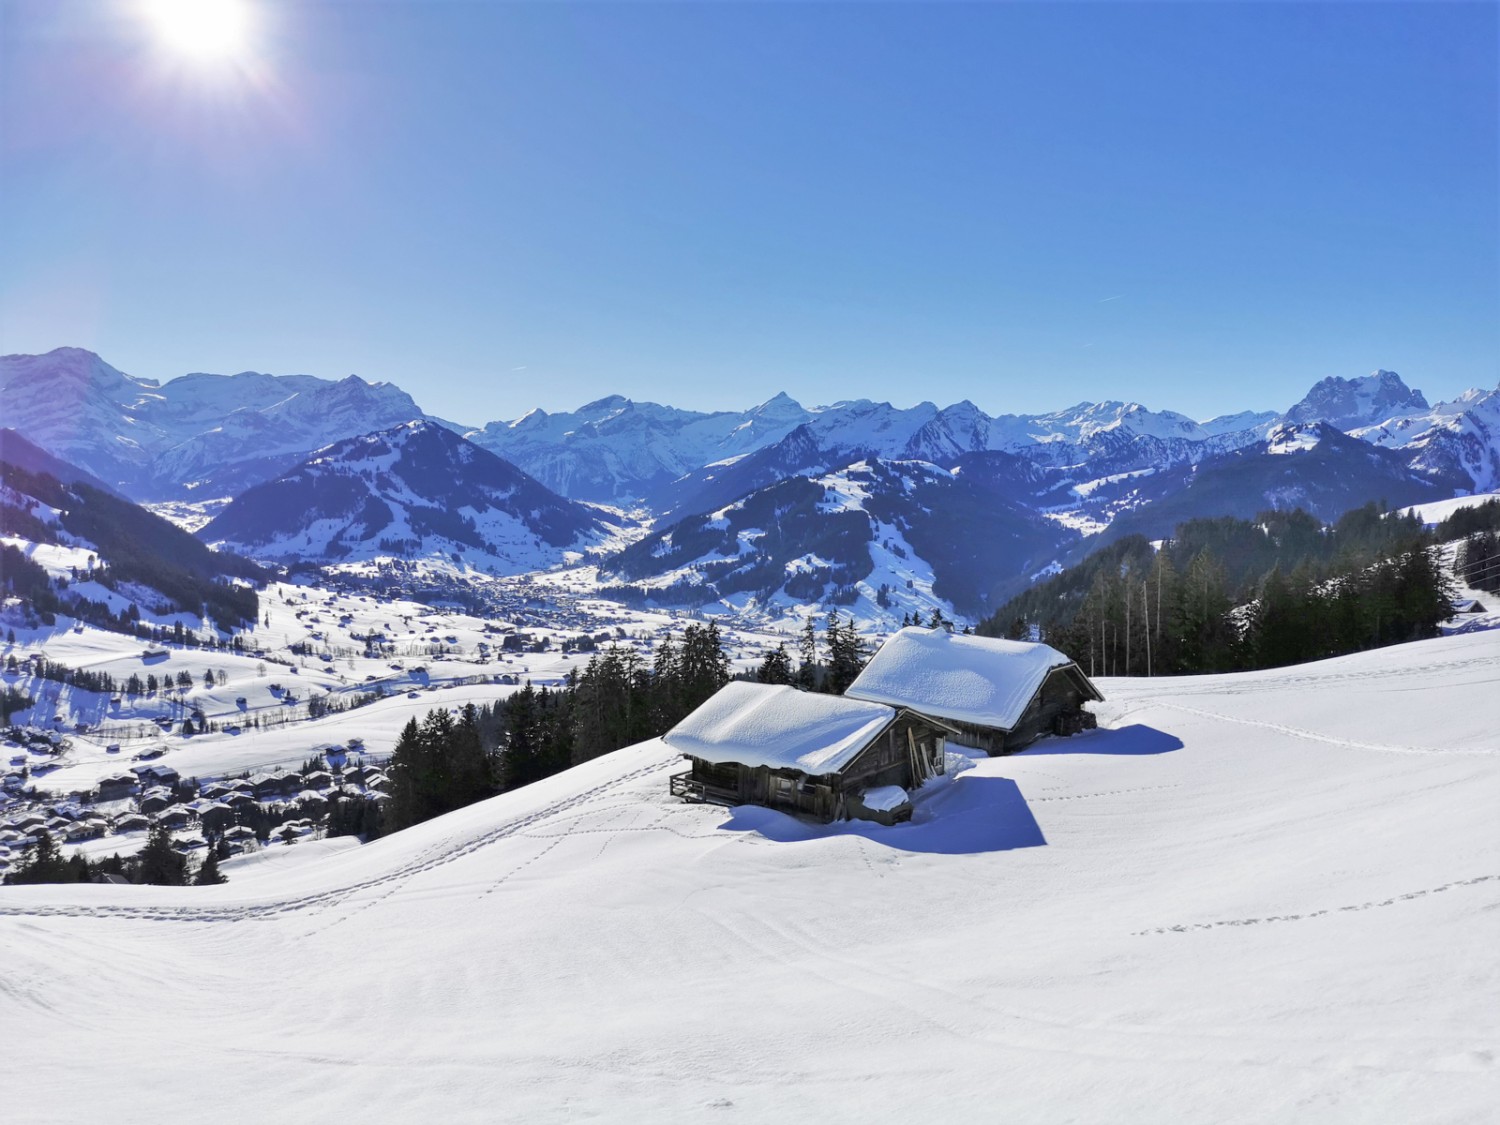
(201, 29)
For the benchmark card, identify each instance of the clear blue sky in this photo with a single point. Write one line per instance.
(1204, 207)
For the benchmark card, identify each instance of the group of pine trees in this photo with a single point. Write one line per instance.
(158, 864)
(1227, 594)
(617, 699)
(1477, 559)
(843, 655)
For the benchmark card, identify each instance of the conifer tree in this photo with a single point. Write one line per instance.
(776, 668)
(807, 671)
(158, 863)
(209, 873)
(44, 863)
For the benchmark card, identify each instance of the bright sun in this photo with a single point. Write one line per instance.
(201, 29)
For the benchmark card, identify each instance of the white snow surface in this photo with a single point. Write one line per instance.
(982, 680)
(780, 727)
(884, 798)
(1266, 897)
(1437, 511)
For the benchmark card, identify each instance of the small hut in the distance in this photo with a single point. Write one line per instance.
(1000, 695)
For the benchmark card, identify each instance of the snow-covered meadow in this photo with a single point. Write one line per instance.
(1262, 897)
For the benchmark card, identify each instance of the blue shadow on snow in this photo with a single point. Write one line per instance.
(969, 815)
(1137, 738)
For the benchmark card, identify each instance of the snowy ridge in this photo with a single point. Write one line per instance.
(1462, 435)
(416, 491)
(1124, 926)
(880, 539)
(162, 441)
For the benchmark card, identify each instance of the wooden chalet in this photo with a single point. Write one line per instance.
(820, 756)
(1000, 696)
(117, 786)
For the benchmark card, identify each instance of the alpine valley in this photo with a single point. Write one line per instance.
(757, 513)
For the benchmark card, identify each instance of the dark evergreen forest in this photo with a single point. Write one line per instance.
(619, 698)
(1229, 594)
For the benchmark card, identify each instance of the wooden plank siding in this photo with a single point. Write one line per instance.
(1056, 708)
(907, 752)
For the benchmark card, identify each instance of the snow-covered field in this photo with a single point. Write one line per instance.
(1439, 510)
(1261, 897)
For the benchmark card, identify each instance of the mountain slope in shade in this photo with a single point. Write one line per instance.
(1311, 466)
(15, 450)
(112, 553)
(415, 491)
(882, 537)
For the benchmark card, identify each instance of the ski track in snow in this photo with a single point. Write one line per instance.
(1313, 736)
(942, 967)
(435, 857)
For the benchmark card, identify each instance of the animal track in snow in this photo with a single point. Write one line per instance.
(1350, 909)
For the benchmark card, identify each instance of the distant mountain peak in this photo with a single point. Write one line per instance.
(1349, 404)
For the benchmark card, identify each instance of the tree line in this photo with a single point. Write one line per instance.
(1228, 594)
(1477, 558)
(157, 864)
(619, 698)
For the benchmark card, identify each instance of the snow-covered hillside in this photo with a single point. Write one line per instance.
(1262, 897)
(414, 491)
(882, 538)
(1459, 436)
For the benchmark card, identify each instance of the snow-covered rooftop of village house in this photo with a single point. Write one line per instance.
(980, 680)
(779, 727)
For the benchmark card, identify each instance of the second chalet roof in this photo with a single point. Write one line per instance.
(779, 727)
(984, 681)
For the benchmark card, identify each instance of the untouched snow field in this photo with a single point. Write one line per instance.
(1261, 897)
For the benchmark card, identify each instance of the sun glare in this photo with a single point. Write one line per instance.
(201, 29)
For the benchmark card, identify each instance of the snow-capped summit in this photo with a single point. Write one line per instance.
(1296, 437)
(1349, 404)
(617, 450)
(1244, 421)
(417, 490)
(1462, 436)
(76, 406)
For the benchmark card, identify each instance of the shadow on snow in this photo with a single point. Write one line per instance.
(1137, 738)
(963, 814)
(968, 815)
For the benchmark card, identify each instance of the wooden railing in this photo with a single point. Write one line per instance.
(689, 788)
(682, 785)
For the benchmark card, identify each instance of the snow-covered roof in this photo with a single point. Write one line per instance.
(779, 727)
(980, 680)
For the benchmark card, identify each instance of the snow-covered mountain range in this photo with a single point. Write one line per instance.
(415, 490)
(205, 436)
(334, 470)
(215, 435)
